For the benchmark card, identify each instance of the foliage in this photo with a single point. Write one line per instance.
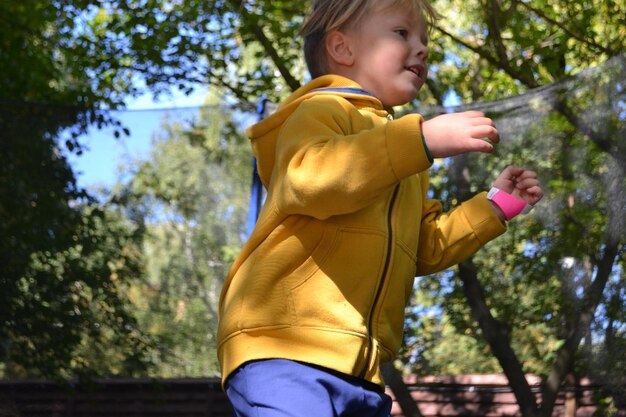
(492, 49)
(192, 195)
(64, 260)
(68, 313)
(89, 56)
(545, 279)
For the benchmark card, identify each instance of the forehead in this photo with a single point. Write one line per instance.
(408, 6)
(406, 12)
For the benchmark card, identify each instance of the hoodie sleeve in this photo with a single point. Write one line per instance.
(449, 238)
(333, 159)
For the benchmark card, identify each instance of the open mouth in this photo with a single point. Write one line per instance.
(418, 70)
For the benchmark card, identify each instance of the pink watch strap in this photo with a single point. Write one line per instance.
(510, 205)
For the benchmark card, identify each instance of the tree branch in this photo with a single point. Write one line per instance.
(210, 78)
(590, 43)
(593, 295)
(495, 35)
(485, 54)
(252, 21)
(497, 336)
(614, 147)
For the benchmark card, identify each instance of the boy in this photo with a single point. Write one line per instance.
(315, 301)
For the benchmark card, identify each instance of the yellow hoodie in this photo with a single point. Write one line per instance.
(325, 275)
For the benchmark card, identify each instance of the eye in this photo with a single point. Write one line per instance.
(403, 33)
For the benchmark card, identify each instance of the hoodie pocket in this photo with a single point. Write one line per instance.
(289, 256)
(340, 281)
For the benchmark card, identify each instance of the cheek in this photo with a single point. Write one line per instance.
(389, 60)
(397, 56)
(387, 51)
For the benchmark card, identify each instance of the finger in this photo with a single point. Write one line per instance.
(481, 120)
(531, 192)
(526, 183)
(471, 113)
(511, 172)
(533, 195)
(479, 145)
(494, 135)
(490, 132)
(527, 174)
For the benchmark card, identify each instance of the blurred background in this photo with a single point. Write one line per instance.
(125, 185)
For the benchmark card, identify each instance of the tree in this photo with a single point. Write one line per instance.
(68, 314)
(493, 50)
(483, 50)
(556, 267)
(192, 196)
(83, 58)
(64, 260)
(585, 37)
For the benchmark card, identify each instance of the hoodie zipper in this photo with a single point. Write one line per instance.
(381, 284)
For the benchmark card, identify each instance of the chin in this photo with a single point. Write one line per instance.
(402, 99)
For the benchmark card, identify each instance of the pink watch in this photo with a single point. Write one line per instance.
(510, 205)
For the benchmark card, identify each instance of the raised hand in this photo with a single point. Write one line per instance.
(456, 133)
(520, 182)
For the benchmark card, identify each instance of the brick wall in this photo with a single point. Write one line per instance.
(441, 396)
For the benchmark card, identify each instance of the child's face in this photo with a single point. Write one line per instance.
(390, 52)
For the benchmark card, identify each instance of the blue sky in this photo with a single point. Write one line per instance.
(99, 164)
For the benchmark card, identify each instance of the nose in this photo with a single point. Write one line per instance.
(421, 49)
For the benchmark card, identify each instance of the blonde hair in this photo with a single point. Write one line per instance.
(329, 15)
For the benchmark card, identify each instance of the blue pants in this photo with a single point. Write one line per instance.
(283, 388)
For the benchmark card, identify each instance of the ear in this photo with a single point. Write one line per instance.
(339, 48)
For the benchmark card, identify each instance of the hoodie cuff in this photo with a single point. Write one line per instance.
(483, 220)
(406, 146)
(428, 154)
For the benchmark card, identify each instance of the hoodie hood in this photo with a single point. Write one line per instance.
(263, 135)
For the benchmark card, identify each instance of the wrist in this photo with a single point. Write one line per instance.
(507, 204)
(498, 211)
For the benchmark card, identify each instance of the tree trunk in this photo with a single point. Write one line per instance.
(394, 380)
(497, 336)
(570, 397)
(593, 294)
